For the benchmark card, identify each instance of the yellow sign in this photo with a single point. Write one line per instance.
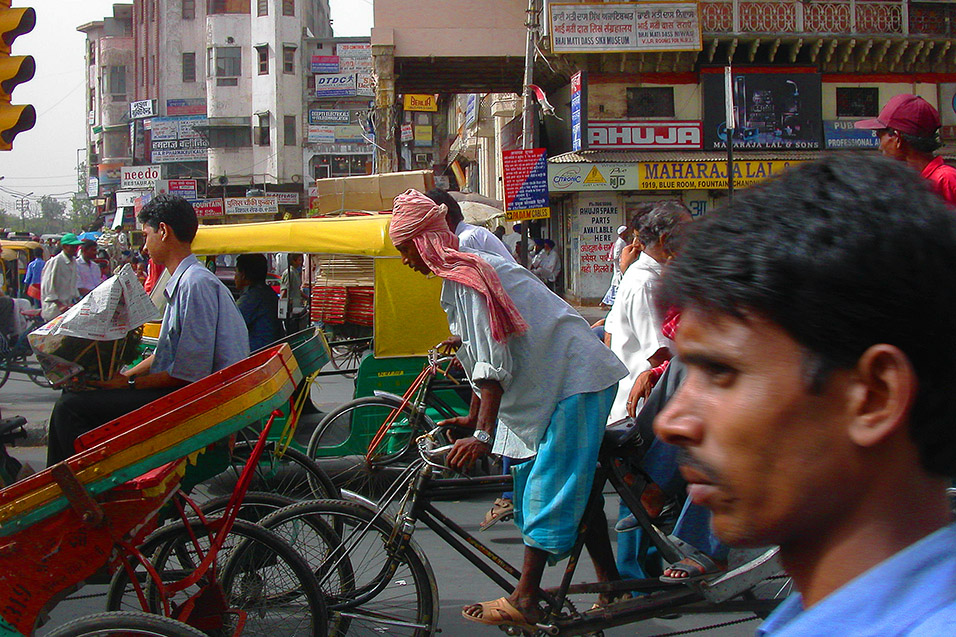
(595, 177)
(704, 175)
(423, 135)
(421, 103)
(528, 213)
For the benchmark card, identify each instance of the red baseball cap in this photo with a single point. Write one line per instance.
(908, 114)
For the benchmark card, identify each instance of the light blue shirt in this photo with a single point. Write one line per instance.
(203, 330)
(912, 593)
(556, 358)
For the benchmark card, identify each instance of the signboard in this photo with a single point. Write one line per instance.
(286, 198)
(773, 110)
(138, 177)
(644, 135)
(208, 207)
(329, 116)
(407, 134)
(579, 111)
(625, 26)
(325, 64)
(252, 205)
(355, 65)
(526, 184)
(175, 139)
(321, 134)
(127, 198)
(348, 134)
(185, 188)
(365, 84)
(186, 106)
(92, 187)
(471, 110)
(415, 102)
(423, 135)
(354, 50)
(592, 177)
(336, 85)
(843, 134)
(704, 175)
(142, 108)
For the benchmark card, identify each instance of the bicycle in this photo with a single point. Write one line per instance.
(15, 354)
(377, 549)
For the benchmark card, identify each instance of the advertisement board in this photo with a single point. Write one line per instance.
(321, 134)
(365, 84)
(592, 177)
(139, 177)
(353, 50)
(207, 207)
(625, 26)
(423, 135)
(186, 106)
(92, 187)
(417, 102)
(335, 85)
(407, 133)
(287, 198)
(348, 134)
(843, 134)
(773, 110)
(329, 116)
(142, 108)
(251, 205)
(705, 175)
(579, 111)
(526, 184)
(175, 139)
(644, 135)
(185, 188)
(355, 65)
(325, 64)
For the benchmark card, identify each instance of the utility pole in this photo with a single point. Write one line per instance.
(527, 112)
(23, 205)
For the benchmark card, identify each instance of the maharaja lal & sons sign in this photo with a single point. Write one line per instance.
(705, 175)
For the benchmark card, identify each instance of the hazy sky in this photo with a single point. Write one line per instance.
(43, 160)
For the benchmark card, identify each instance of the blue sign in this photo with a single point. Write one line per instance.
(471, 110)
(526, 183)
(843, 134)
(579, 115)
(327, 116)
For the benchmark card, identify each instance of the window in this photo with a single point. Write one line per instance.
(263, 53)
(857, 102)
(288, 130)
(288, 7)
(228, 61)
(262, 7)
(227, 6)
(117, 80)
(189, 9)
(650, 102)
(189, 67)
(231, 137)
(262, 131)
(288, 59)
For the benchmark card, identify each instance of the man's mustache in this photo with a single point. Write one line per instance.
(687, 459)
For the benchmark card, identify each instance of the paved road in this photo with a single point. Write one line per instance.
(458, 582)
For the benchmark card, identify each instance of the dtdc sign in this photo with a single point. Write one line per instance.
(338, 85)
(644, 135)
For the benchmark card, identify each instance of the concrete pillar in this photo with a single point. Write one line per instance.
(386, 152)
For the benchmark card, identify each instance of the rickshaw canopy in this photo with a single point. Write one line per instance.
(19, 245)
(403, 298)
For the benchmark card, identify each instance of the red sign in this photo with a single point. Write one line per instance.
(208, 207)
(644, 135)
(526, 183)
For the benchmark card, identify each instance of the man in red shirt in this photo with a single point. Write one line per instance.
(908, 130)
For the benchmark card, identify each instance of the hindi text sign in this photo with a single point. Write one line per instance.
(526, 184)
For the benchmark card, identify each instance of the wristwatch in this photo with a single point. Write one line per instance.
(482, 436)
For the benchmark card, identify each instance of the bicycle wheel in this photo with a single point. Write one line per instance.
(293, 474)
(258, 572)
(125, 623)
(4, 369)
(255, 506)
(369, 587)
(340, 441)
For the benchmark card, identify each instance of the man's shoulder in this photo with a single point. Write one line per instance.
(942, 621)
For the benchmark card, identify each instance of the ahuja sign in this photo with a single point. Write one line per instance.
(526, 184)
(139, 177)
(644, 135)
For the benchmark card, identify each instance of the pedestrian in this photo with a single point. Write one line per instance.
(548, 265)
(33, 277)
(202, 332)
(58, 280)
(543, 387)
(614, 256)
(513, 240)
(291, 293)
(817, 412)
(258, 303)
(88, 273)
(908, 128)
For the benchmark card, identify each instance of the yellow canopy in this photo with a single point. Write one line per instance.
(365, 236)
(408, 319)
(19, 245)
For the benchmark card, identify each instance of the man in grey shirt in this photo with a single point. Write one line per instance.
(202, 333)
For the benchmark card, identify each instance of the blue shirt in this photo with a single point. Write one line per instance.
(912, 593)
(259, 305)
(34, 272)
(203, 330)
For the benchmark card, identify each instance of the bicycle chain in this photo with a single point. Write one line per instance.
(689, 631)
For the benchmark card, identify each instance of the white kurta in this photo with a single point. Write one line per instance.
(478, 238)
(634, 326)
(57, 283)
(547, 266)
(556, 358)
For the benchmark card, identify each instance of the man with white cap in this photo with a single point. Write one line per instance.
(614, 256)
(908, 129)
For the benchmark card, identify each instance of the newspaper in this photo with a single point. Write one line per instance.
(108, 313)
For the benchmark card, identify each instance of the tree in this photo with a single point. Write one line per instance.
(52, 214)
(82, 212)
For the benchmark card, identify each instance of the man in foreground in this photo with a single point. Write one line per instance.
(202, 333)
(818, 408)
(543, 387)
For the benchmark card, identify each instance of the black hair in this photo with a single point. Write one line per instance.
(293, 256)
(37, 253)
(663, 218)
(87, 243)
(640, 211)
(439, 196)
(253, 266)
(175, 212)
(842, 253)
(924, 145)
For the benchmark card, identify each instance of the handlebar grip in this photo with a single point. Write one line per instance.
(16, 421)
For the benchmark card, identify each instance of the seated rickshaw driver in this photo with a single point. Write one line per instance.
(202, 333)
(538, 372)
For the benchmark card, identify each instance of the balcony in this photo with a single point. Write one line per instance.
(829, 17)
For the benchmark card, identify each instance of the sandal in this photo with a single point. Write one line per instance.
(695, 567)
(502, 509)
(500, 612)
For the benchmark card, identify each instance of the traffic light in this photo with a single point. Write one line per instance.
(14, 70)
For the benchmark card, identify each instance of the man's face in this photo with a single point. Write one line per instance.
(890, 143)
(69, 250)
(89, 252)
(770, 459)
(153, 239)
(412, 258)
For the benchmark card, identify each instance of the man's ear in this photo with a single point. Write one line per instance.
(885, 388)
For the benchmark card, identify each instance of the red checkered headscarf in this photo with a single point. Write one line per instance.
(418, 219)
